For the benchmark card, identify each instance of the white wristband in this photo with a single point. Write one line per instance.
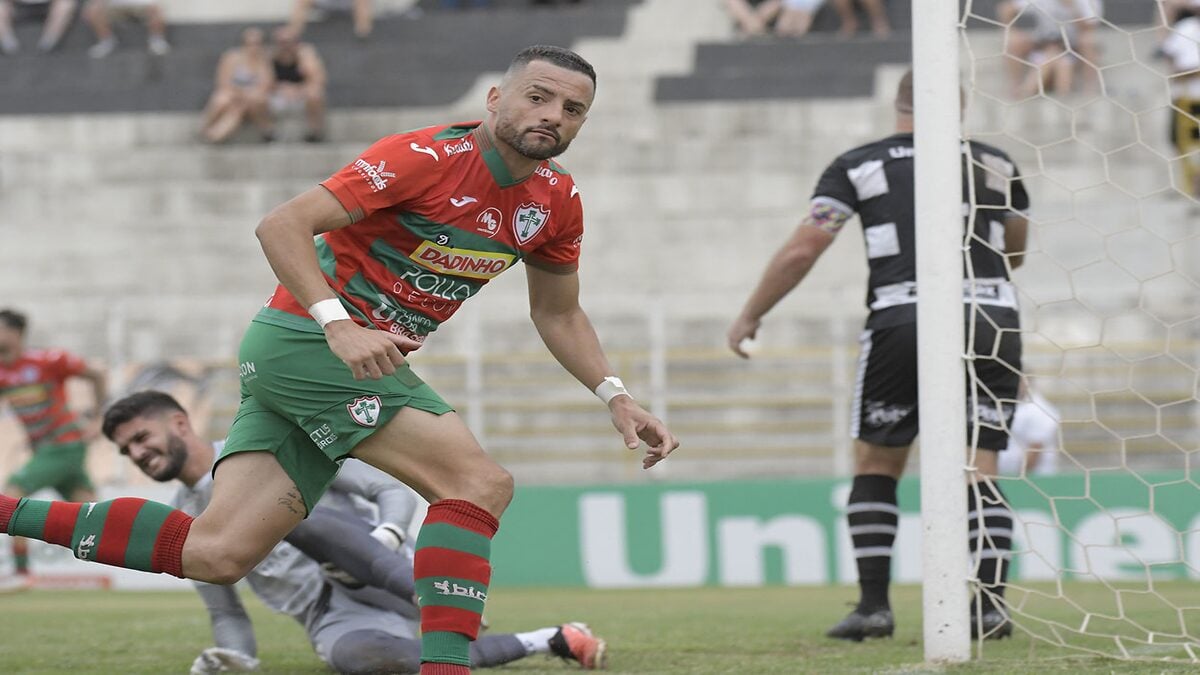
(610, 388)
(389, 535)
(325, 311)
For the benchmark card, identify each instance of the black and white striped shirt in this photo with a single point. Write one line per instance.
(876, 182)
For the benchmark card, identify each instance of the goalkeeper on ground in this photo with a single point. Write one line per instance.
(347, 581)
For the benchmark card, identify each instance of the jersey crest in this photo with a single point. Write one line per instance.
(528, 220)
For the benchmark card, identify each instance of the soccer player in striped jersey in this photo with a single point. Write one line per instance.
(403, 236)
(876, 182)
(33, 383)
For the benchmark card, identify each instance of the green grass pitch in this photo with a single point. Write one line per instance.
(752, 631)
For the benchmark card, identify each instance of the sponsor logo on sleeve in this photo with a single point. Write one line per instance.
(376, 176)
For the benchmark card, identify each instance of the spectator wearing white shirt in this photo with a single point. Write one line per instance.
(1062, 37)
(1033, 440)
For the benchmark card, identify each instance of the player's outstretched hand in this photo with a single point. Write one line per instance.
(637, 425)
(221, 660)
(741, 336)
(368, 353)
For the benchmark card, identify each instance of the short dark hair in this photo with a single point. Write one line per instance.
(149, 402)
(563, 58)
(904, 92)
(13, 319)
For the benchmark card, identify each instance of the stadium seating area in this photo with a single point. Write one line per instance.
(134, 241)
(409, 60)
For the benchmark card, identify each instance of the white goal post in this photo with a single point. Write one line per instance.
(941, 380)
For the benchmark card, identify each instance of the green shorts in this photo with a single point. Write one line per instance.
(301, 403)
(57, 465)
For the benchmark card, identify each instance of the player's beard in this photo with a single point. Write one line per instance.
(518, 140)
(175, 456)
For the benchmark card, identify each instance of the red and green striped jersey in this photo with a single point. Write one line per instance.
(34, 385)
(437, 215)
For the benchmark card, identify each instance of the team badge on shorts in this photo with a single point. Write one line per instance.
(365, 410)
(529, 220)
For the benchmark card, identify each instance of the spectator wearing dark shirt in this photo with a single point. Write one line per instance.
(299, 81)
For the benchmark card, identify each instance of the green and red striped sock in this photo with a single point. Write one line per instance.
(126, 532)
(452, 569)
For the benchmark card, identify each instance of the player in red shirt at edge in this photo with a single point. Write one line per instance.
(410, 229)
(33, 384)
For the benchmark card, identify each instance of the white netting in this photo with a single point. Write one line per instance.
(1110, 322)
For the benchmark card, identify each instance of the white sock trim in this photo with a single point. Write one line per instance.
(537, 641)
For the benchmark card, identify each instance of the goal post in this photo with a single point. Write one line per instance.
(940, 331)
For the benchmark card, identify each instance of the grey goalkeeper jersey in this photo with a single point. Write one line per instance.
(288, 581)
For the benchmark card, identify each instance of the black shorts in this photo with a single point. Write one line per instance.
(30, 11)
(884, 409)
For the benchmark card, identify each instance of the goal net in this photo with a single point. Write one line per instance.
(1092, 103)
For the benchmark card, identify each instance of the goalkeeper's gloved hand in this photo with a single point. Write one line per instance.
(221, 660)
(335, 573)
(391, 536)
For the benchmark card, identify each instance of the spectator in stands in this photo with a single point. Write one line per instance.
(1063, 32)
(99, 15)
(793, 18)
(1182, 50)
(752, 17)
(362, 11)
(243, 81)
(1033, 437)
(796, 16)
(299, 81)
(1167, 12)
(57, 14)
(876, 14)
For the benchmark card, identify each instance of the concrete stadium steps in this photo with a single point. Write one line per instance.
(405, 63)
(779, 153)
(617, 125)
(817, 66)
(821, 65)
